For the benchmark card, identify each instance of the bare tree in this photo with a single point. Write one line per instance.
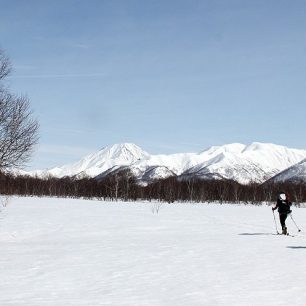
(18, 129)
(156, 206)
(5, 65)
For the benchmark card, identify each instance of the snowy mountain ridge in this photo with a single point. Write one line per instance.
(295, 173)
(244, 163)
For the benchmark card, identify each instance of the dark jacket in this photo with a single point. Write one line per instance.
(283, 206)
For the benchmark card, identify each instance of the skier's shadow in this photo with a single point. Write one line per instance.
(296, 247)
(256, 234)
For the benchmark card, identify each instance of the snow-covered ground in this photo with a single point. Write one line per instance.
(77, 252)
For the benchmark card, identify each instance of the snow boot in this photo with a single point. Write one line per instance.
(284, 232)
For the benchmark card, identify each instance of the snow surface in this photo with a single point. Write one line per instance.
(243, 163)
(78, 252)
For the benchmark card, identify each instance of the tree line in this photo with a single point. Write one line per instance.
(124, 186)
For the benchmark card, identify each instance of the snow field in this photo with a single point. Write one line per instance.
(78, 252)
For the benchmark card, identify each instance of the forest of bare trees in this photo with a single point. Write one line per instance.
(123, 186)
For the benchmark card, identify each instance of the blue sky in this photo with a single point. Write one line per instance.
(169, 76)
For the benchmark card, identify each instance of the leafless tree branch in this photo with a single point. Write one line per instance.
(18, 128)
(5, 65)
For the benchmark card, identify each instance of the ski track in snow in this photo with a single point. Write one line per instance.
(79, 252)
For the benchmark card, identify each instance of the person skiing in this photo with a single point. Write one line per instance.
(283, 206)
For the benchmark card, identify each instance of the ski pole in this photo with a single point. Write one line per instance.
(275, 222)
(294, 223)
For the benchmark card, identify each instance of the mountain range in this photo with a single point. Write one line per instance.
(257, 162)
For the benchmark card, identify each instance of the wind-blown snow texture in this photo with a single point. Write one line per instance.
(256, 162)
(76, 252)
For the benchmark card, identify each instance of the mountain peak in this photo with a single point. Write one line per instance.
(127, 151)
(260, 146)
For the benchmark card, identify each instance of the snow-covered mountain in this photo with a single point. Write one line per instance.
(294, 174)
(109, 157)
(257, 162)
(244, 163)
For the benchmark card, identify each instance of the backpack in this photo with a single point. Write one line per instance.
(283, 206)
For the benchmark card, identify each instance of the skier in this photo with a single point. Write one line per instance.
(283, 205)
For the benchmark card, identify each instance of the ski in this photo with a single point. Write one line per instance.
(280, 234)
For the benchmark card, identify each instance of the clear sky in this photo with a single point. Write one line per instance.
(169, 76)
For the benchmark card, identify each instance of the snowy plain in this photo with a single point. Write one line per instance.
(80, 252)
